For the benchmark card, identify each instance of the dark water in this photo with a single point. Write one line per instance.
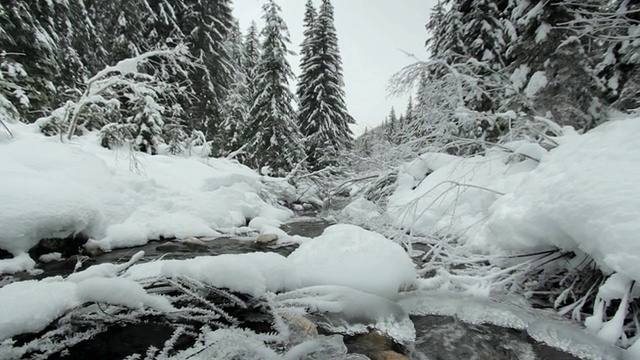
(446, 338)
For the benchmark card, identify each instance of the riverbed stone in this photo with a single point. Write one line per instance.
(168, 246)
(369, 344)
(266, 239)
(299, 323)
(389, 355)
(194, 242)
(92, 249)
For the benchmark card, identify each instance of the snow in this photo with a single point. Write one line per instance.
(580, 197)
(19, 263)
(374, 264)
(52, 189)
(537, 82)
(29, 306)
(589, 180)
(253, 273)
(455, 195)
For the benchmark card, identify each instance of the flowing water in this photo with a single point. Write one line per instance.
(438, 337)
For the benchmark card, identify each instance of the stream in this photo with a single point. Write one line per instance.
(438, 337)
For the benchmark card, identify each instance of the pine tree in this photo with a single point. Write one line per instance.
(391, 132)
(274, 137)
(40, 47)
(323, 116)
(251, 59)
(206, 25)
(306, 95)
(551, 66)
(618, 27)
(236, 107)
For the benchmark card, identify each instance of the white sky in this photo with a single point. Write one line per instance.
(373, 36)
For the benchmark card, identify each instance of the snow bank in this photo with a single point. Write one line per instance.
(29, 306)
(51, 189)
(253, 274)
(440, 193)
(582, 197)
(351, 256)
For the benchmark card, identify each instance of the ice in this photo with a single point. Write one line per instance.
(350, 256)
(543, 326)
(350, 311)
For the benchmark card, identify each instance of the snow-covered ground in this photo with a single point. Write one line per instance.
(581, 197)
(53, 189)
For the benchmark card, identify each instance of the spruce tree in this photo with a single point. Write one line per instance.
(40, 47)
(551, 66)
(236, 108)
(323, 116)
(206, 25)
(274, 138)
(306, 96)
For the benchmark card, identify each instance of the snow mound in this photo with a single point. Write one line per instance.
(350, 256)
(51, 189)
(253, 274)
(582, 197)
(442, 193)
(29, 306)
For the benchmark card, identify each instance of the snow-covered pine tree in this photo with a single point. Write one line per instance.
(391, 128)
(462, 85)
(553, 68)
(206, 24)
(236, 107)
(128, 105)
(615, 26)
(39, 57)
(323, 116)
(274, 140)
(306, 96)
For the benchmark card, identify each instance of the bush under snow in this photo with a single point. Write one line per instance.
(581, 197)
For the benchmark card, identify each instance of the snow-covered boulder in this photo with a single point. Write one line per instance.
(350, 256)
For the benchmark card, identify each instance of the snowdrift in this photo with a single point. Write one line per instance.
(51, 189)
(581, 197)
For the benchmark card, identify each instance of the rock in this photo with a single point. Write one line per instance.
(389, 355)
(266, 239)
(68, 246)
(91, 249)
(374, 345)
(167, 246)
(193, 242)
(299, 323)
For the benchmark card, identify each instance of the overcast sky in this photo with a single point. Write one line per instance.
(373, 36)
